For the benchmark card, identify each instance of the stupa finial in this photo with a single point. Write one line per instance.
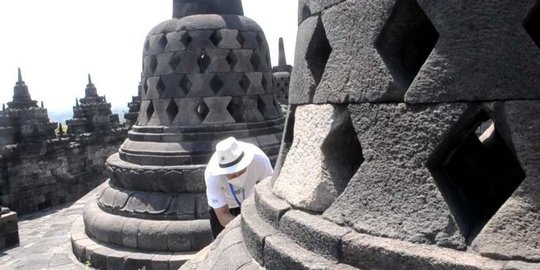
(19, 80)
(282, 58)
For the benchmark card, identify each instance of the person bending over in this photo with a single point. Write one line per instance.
(230, 176)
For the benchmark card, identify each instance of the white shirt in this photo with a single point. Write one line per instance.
(218, 191)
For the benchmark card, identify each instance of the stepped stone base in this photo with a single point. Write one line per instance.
(9, 232)
(106, 256)
(279, 237)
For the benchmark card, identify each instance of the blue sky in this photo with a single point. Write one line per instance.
(58, 42)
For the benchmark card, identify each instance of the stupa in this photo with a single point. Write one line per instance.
(92, 114)
(412, 143)
(282, 77)
(206, 76)
(23, 121)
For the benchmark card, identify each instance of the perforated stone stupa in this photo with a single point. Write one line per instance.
(412, 143)
(282, 76)
(206, 76)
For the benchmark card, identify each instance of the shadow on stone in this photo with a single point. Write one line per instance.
(532, 23)
(317, 54)
(475, 171)
(406, 41)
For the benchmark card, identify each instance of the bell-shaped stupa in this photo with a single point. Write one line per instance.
(206, 76)
(412, 142)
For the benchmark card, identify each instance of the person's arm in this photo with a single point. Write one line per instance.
(224, 215)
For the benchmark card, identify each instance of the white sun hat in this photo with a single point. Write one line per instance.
(231, 156)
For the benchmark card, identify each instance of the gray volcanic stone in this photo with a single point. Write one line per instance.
(488, 60)
(281, 253)
(269, 207)
(368, 252)
(314, 233)
(307, 8)
(346, 73)
(385, 197)
(514, 231)
(255, 230)
(225, 253)
(302, 81)
(316, 169)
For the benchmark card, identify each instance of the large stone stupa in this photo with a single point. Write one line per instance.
(412, 142)
(206, 76)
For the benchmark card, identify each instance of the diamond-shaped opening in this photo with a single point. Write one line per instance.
(261, 106)
(317, 54)
(235, 109)
(532, 23)
(172, 110)
(174, 61)
(145, 86)
(240, 38)
(244, 83)
(150, 110)
(203, 61)
(232, 60)
(306, 12)
(163, 42)
(160, 87)
(186, 39)
(475, 171)
(185, 84)
(153, 64)
(202, 110)
(342, 151)
(255, 61)
(216, 84)
(406, 41)
(216, 37)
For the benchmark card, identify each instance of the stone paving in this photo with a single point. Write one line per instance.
(44, 239)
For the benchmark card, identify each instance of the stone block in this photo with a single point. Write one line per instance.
(324, 154)
(282, 253)
(269, 207)
(314, 233)
(254, 230)
(201, 203)
(182, 207)
(302, 79)
(108, 229)
(367, 252)
(130, 232)
(152, 235)
(514, 230)
(482, 62)
(397, 141)
(188, 235)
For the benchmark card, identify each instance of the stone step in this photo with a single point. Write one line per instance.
(110, 257)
